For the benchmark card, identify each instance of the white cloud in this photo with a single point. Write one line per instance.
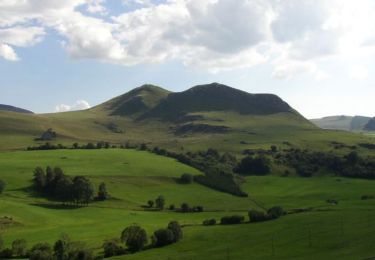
(7, 53)
(358, 72)
(78, 105)
(212, 34)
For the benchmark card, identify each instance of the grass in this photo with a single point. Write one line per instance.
(344, 231)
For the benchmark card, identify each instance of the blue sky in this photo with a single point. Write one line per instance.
(317, 55)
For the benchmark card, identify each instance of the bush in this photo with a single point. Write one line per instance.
(235, 219)
(367, 197)
(112, 248)
(134, 237)
(209, 222)
(160, 202)
(150, 203)
(19, 247)
(275, 212)
(175, 227)
(41, 251)
(253, 166)
(6, 253)
(186, 178)
(257, 216)
(172, 207)
(2, 186)
(185, 208)
(163, 237)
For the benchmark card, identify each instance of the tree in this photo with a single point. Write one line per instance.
(19, 247)
(160, 202)
(253, 166)
(163, 237)
(102, 193)
(235, 219)
(41, 251)
(150, 203)
(134, 237)
(175, 227)
(111, 248)
(275, 212)
(352, 158)
(63, 190)
(1, 243)
(2, 186)
(61, 248)
(186, 178)
(39, 179)
(256, 216)
(83, 190)
(185, 207)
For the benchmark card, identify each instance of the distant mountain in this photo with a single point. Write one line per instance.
(347, 123)
(370, 126)
(14, 109)
(154, 102)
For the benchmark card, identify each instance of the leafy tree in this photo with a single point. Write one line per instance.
(160, 202)
(19, 247)
(150, 203)
(75, 146)
(102, 193)
(61, 248)
(175, 227)
(112, 248)
(185, 207)
(163, 237)
(186, 178)
(172, 207)
(275, 212)
(134, 237)
(83, 190)
(39, 179)
(352, 158)
(253, 166)
(235, 219)
(256, 216)
(2, 186)
(41, 251)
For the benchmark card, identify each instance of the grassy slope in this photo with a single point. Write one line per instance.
(133, 177)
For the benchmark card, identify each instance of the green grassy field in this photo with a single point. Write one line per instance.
(344, 231)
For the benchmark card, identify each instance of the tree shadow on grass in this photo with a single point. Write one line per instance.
(57, 206)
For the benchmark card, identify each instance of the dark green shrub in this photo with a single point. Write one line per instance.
(235, 219)
(19, 247)
(175, 227)
(134, 237)
(112, 248)
(41, 251)
(275, 212)
(2, 186)
(257, 216)
(163, 237)
(186, 178)
(209, 222)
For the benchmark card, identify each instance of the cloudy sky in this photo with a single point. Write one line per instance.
(318, 55)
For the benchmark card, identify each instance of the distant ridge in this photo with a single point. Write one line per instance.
(342, 122)
(370, 126)
(14, 109)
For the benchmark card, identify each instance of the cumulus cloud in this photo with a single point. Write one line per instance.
(7, 53)
(212, 34)
(78, 105)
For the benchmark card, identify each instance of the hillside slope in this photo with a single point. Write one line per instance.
(14, 109)
(204, 116)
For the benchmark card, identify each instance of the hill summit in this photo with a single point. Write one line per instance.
(14, 109)
(149, 101)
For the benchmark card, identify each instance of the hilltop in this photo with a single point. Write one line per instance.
(14, 109)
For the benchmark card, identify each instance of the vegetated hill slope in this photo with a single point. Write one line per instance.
(204, 116)
(14, 109)
(347, 123)
(217, 97)
(370, 126)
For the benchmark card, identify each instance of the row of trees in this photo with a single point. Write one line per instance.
(159, 203)
(53, 183)
(135, 239)
(63, 249)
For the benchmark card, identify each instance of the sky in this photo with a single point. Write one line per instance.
(317, 55)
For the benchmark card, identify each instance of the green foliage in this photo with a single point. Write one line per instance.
(134, 237)
(209, 222)
(150, 203)
(160, 202)
(257, 216)
(102, 193)
(186, 178)
(112, 248)
(19, 247)
(175, 227)
(259, 165)
(163, 237)
(41, 251)
(234, 219)
(275, 212)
